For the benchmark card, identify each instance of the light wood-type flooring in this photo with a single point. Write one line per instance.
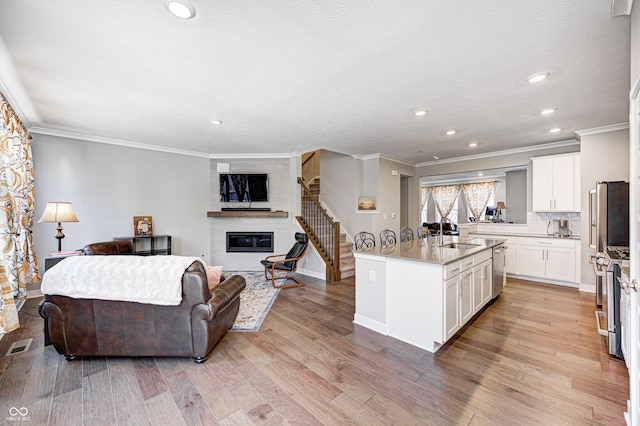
(533, 357)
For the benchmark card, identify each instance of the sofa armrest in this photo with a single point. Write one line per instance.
(225, 293)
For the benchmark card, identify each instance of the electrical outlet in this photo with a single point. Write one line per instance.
(372, 276)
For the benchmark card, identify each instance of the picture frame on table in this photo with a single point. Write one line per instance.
(142, 226)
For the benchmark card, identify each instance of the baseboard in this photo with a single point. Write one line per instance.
(373, 325)
(31, 294)
(544, 280)
(310, 273)
(587, 288)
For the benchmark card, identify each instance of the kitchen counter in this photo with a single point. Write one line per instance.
(422, 293)
(507, 229)
(507, 233)
(428, 250)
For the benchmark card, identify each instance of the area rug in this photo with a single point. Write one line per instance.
(255, 301)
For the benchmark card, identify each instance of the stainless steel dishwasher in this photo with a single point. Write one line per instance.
(499, 262)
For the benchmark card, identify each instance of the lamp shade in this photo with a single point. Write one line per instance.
(58, 211)
(501, 205)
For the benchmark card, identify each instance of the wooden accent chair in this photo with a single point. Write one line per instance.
(287, 263)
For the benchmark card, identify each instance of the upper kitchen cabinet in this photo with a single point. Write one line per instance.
(556, 183)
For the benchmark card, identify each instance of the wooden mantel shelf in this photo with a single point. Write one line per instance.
(248, 213)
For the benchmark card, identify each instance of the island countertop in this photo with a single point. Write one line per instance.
(430, 250)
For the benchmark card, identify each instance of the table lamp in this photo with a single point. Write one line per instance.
(59, 211)
(501, 205)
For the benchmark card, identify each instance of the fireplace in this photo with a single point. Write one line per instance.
(249, 242)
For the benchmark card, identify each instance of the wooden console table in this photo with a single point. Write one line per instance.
(248, 213)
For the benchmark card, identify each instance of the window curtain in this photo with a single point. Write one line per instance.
(477, 195)
(424, 196)
(18, 262)
(445, 197)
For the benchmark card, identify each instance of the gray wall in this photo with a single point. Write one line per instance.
(344, 178)
(516, 193)
(109, 184)
(614, 147)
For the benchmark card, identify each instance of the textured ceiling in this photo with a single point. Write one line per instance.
(297, 76)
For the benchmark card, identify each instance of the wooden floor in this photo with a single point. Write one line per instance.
(533, 357)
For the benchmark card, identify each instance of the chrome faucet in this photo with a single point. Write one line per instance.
(441, 235)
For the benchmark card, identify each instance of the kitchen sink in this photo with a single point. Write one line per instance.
(462, 246)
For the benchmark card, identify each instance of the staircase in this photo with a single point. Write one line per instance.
(347, 261)
(315, 228)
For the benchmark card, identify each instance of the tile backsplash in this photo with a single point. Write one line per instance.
(537, 222)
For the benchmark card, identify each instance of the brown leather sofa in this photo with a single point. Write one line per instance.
(92, 327)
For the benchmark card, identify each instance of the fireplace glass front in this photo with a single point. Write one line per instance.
(248, 242)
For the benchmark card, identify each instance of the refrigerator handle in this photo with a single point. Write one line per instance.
(593, 205)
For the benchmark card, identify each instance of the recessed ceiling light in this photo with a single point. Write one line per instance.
(555, 130)
(473, 144)
(216, 122)
(420, 112)
(182, 9)
(535, 78)
(480, 174)
(547, 111)
(451, 132)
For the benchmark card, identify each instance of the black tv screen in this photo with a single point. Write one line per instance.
(243, 188)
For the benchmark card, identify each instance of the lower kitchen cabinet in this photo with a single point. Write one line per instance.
(451, 307)
(467, 289)
(466, 296)
(553, 259)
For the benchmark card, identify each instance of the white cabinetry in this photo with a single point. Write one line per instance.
(451, 307)
(556, 183)
(467, 288)
(553, 259)
(466, 296)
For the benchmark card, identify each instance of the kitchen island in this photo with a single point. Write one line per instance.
(423, 291)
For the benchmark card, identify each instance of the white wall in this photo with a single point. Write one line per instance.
(635, 44)
(283, 191)
(109, 184)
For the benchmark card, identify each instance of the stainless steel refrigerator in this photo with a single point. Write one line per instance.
(609, 216)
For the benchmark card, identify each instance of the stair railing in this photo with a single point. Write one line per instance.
(322, 230)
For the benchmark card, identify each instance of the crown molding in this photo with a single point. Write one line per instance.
(138, 145)
(379, 156)
(603, 129)
(111, 141)
(522, 150)
(13, 89)
(254, 155)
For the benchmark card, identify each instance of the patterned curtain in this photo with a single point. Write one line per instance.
(445, 197)
(477, 195)
(18, 262)
(424, 196)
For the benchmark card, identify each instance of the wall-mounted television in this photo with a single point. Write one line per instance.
(244, 187)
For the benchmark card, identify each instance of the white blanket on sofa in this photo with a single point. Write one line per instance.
(154, 280)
